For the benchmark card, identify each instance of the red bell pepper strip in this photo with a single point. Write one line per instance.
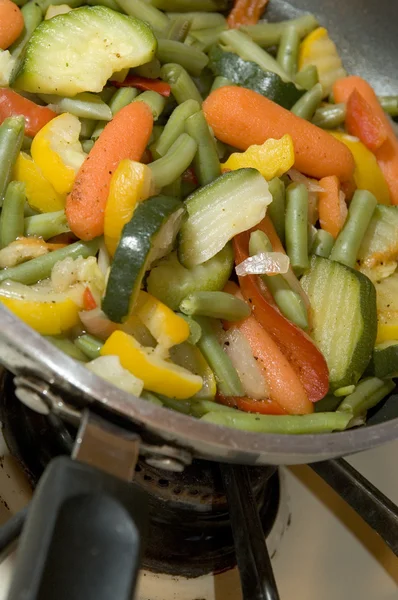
(362, 122)
(297, 346)
(13, 105)
(246, 12)
(144, 83)
(89, 302)
(263, 407)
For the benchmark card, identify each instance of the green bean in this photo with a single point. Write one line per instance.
(269, 34)
(26, 143)
(107, 93)
(40, 268)
(227, 378)
(208, 37)
(193, 60)
(190, 5)
(296, 230)
(47, 225)
(181, 406)
(348, 242)
(276, 210)
(19, 2)
(344, 391)
(323, 244)
(219, 305)
(179, 28)
(173, 189)
(155, 101)
(108, 3)
(289, 302)
(199, 408)
(200, 20)
(32, 17)
(175, 126)
(206, 162)
(389, 104)
(182, 86)
(327, 404)
(87, 128)
(306, 106)
(87, 145)
(287, 55)
(219, 82)
(194, 329)
(367, 394)
(85, 106)
(221, 149)
(157, 131)
(145, 12)
(243, 45)
(307, 77)
(45, 4)
(151, 70)
(330, 116)
(119, 100)
(29, 211)
(11, 137)
(67, 346)
(280, 424)
(12, 214)
(149, 397)
(89, 345)
(166, 169)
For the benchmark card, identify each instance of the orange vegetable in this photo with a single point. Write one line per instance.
(89, 302)
(246, 12)
(126, 136)
(11, 23)
(332, 209)
(387, 153)
(241, 118)
(297, 346)
(283, 382)
(362, 122)
(12, 105)
(264, 407)
(143, 83)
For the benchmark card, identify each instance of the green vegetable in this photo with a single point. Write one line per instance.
(194, 328)
(348, 242)
(104, 42)
(189, 357)
(269, 34)
(307, 77)
(141, 242)
(206, 38)
(384, 361)
(155, 101)
(200, 20)
(217, 212)
(11, 137)
(206, 163)
(343, 305)
(178, 29)
(175, 126)
(389, 104)
(248, 74)
(149, 397)
(288, 50)
(296, 229)
(368, 393)
(85, 105)
(12, 214)
(322, 244)
(171, 282)
(166, 169)
(218, 305)
(276, 209)
(330, 116)
(87, 145)
(40, 268)
(47, 225)
(119, 100)
(307, 105)
(380, 242)
(193, 60)
(182, 86)
(199, 408)
(150, 69)
(145, 12)
(219, 82)
(89, 345)
(191, 5)
(67, 346)
(32, 16)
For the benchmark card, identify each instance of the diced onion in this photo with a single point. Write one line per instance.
(265, 263)
(97, 323)
(110, 369)
(312, 185)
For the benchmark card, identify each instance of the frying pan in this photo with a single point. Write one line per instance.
(115, 426)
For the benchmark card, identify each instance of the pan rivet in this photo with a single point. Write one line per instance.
(32, 400)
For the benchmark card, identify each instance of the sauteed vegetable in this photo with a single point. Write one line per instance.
(201, 207)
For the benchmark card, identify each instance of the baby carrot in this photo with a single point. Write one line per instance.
(11, 23)
(241, 117)
(332, 209)
(126, 136)
(386, 151)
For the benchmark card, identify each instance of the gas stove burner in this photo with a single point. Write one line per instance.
(189, 533)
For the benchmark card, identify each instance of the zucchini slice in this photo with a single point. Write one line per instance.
(78, 51)
(378, 254)
(232, 203)
(384, 361)
(146, 237)
(344, 318)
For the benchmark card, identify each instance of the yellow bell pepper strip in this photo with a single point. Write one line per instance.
(58, 153)
(130, 183)
(367, 174)
(319, 50)
(47, 313)
(167, 328)
(272, 159)
(159, 375)
(40, 194)
(386, 332)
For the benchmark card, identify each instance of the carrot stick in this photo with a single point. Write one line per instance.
(332, 209)
(11, 23)
(246, 12)
(126, 136)
(284, 384)
(362, 122)
(387, 153)
(241, 118)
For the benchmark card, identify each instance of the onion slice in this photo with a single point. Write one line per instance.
(265, 263)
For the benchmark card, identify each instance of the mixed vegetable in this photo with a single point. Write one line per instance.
(201, 207)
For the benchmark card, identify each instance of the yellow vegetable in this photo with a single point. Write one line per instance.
(57, 151)
(190, 357)
(47, 313)
(167, 328)
(40, 193)
(367, 174)
(318, 49)
(272, 159)
(386, 332)
(159, 375)
(130, 183)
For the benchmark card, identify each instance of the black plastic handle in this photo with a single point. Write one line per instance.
(83, 537)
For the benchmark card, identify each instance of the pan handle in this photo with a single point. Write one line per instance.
(83, 537)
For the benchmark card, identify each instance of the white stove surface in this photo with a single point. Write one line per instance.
(326, 553)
